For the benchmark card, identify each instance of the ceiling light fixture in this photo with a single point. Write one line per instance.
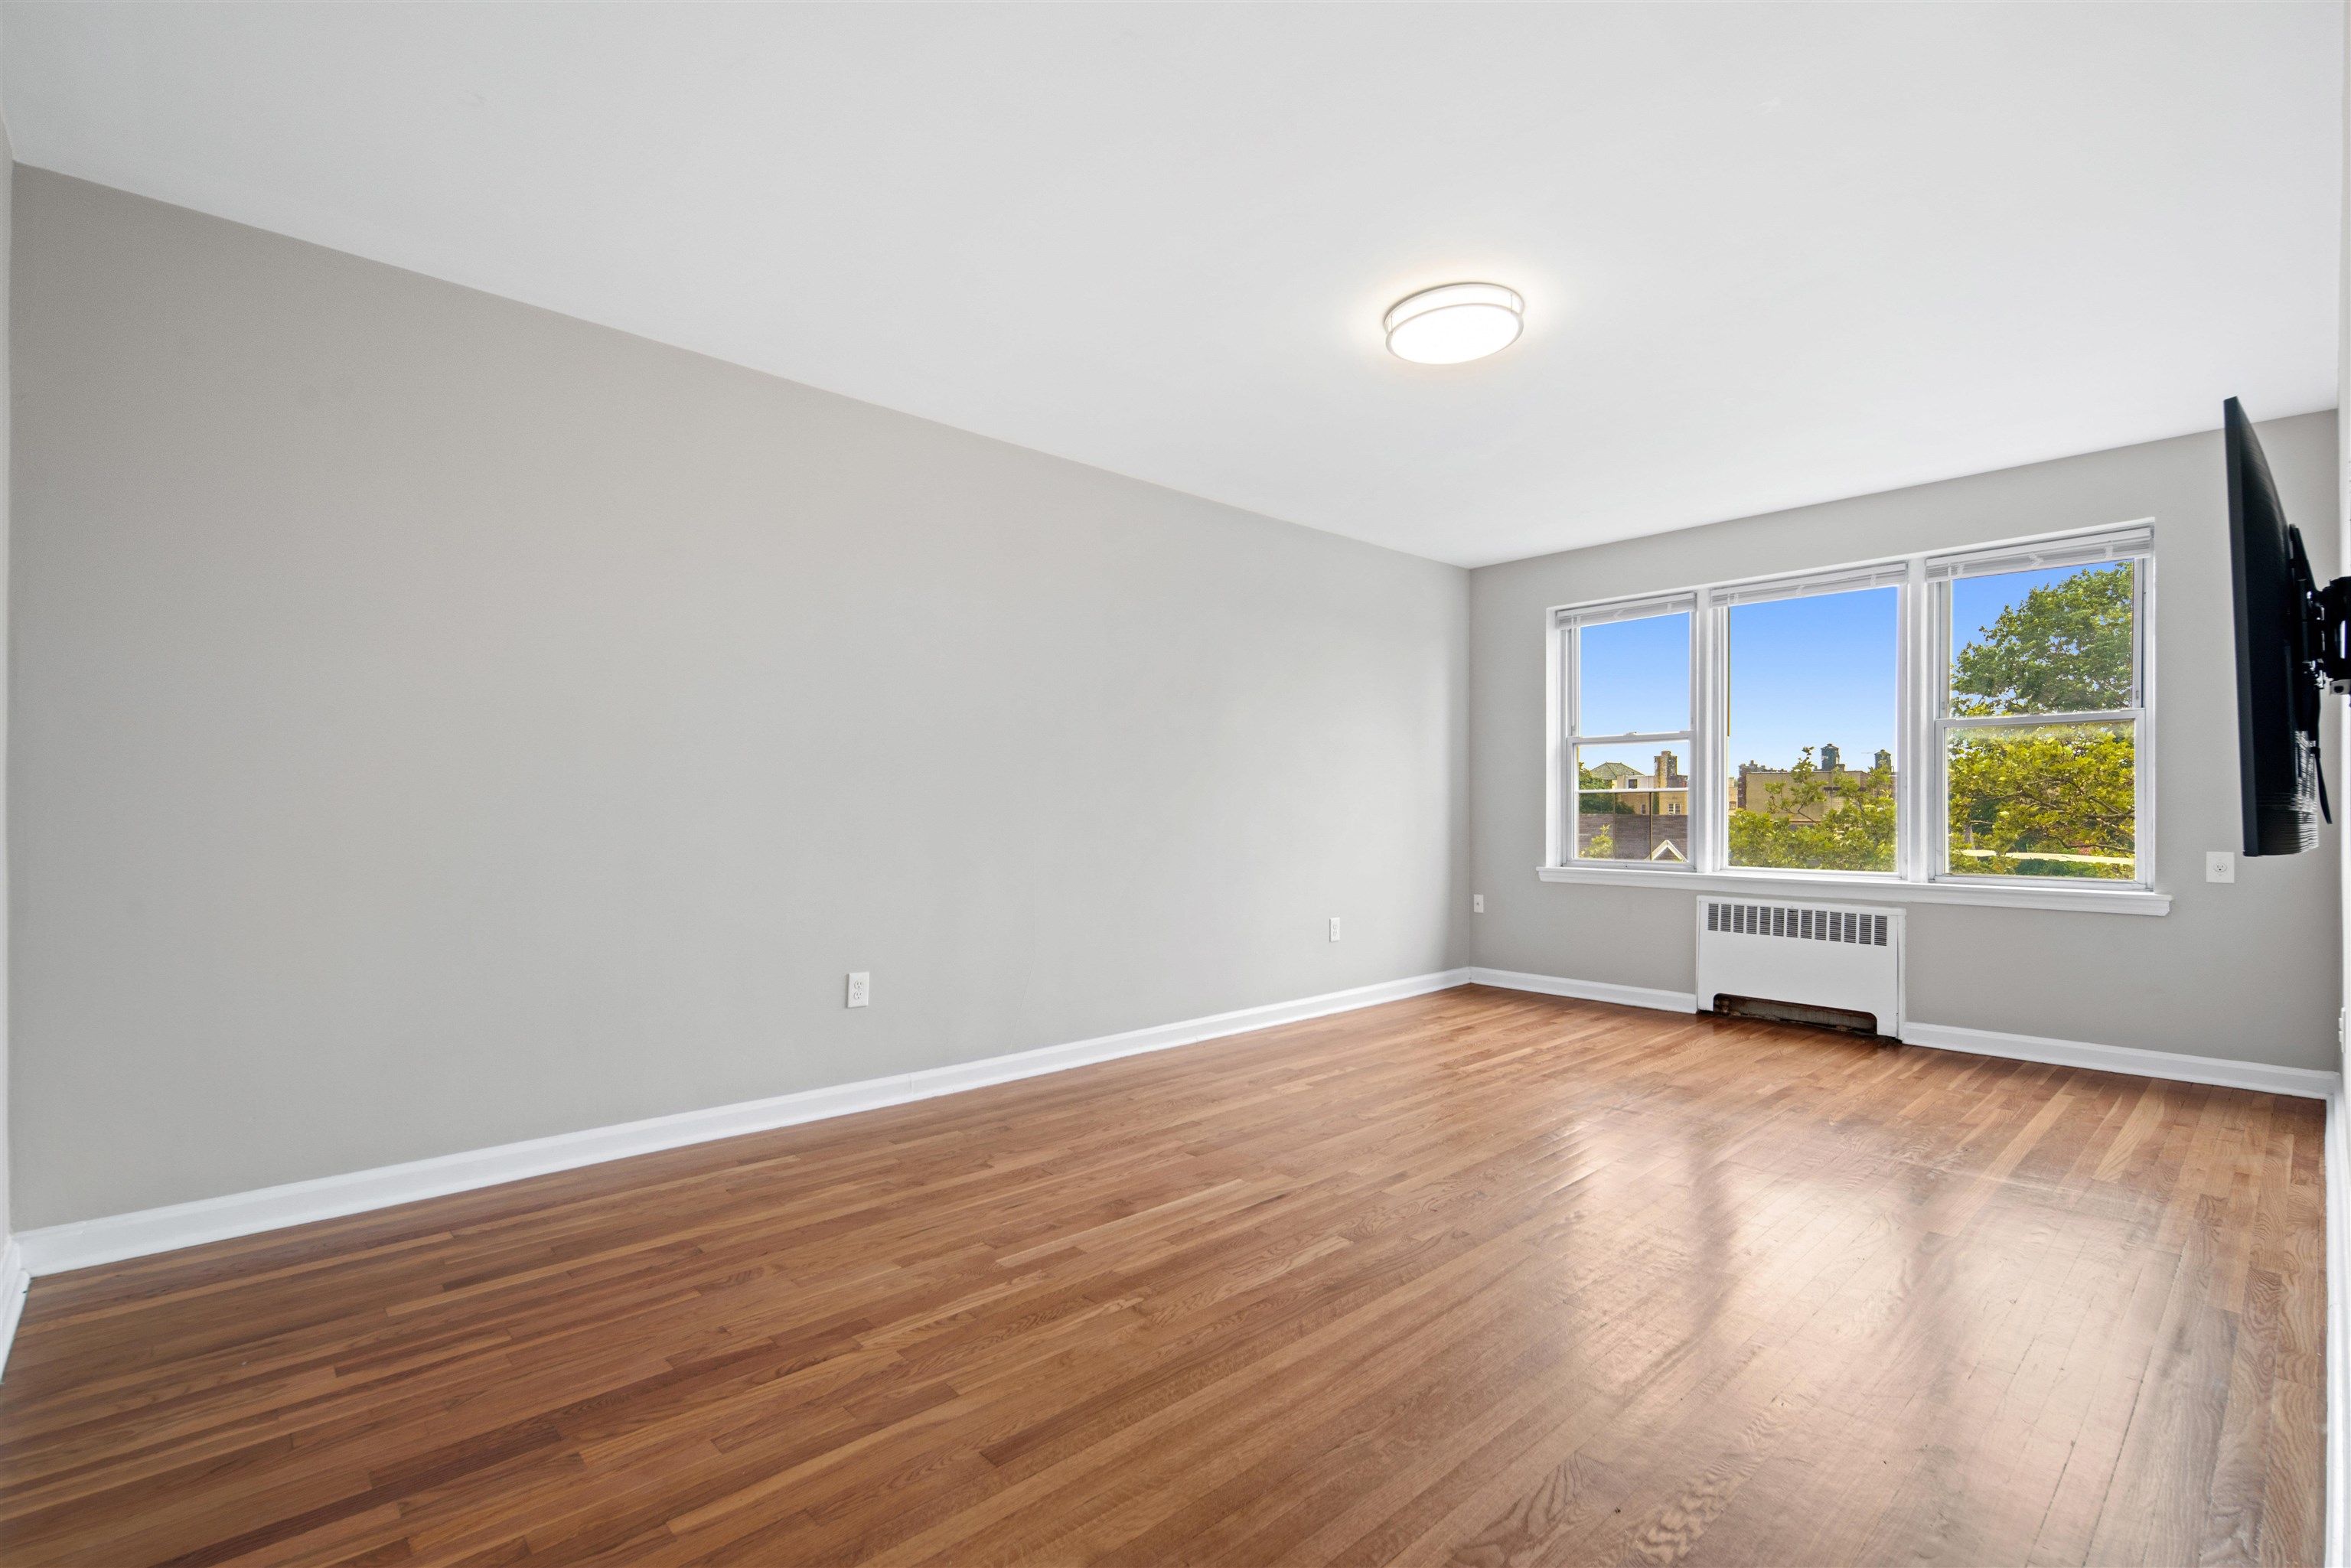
(1454, 322)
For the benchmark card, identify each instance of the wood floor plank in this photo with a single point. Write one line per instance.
(1480, 1279)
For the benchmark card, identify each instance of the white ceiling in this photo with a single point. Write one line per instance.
(1771, 253)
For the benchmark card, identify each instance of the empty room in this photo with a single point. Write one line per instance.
(1484, 786)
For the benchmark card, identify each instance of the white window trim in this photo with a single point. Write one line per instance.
(1920, 873)
(1565, 724)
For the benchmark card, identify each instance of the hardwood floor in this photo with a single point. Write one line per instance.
(1480, 1277)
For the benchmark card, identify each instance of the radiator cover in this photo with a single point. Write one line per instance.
(1842, 957)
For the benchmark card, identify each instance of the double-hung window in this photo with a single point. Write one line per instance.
(1964, 725)
(2041, 709)
(1811, 717)
(1625, 755)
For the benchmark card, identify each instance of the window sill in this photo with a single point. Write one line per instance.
(1884, 890)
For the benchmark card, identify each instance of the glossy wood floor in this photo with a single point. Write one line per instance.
(1481, 1279)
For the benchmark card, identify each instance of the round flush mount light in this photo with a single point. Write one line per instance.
(1454, 322)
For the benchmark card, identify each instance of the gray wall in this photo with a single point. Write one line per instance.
(2248, 971)
(2338, 1468)
(441, 722)
(7, 406)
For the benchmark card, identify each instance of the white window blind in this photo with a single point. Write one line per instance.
(1892, 574)
(1629, 609)
(2118, 544)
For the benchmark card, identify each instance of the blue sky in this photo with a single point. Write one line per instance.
(1803, 672)
(1813, 671)
(1636, 675)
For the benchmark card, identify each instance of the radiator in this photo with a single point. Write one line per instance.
(1838, 964)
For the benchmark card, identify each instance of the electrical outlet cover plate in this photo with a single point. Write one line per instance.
(2220, 865)
(860, 988)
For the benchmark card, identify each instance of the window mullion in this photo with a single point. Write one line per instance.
(1706, 745)
(2143, 768)
(1938, 798)
(1718, 682)
(1561, 785)
(1911, 650)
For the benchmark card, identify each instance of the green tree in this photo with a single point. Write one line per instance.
(2048, 799)
(1819, 820)
(2066, 649)
(2056, 800)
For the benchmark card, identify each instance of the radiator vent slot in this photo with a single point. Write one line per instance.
(1797, 923)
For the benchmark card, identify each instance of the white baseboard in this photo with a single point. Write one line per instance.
(54, 1248)
(2257, 1076)
(13, 1281)
(1587, 991)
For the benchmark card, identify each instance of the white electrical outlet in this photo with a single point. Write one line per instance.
(1477, 903)
(2220, 865)
(860, 988)
(1334, 928)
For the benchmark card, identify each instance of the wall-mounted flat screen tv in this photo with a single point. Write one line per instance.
(2289, 647)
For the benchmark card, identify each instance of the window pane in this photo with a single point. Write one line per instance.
(2042, 641)
(1810, 732)
(1632, 804)
(2044, 800)
(1633, 676)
